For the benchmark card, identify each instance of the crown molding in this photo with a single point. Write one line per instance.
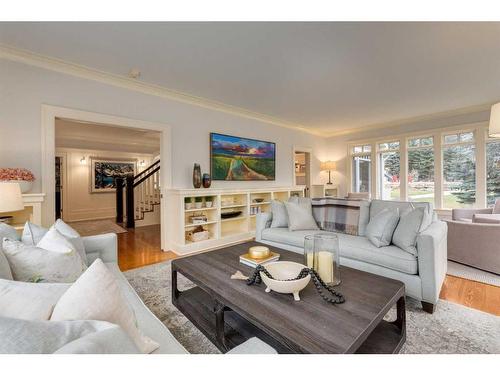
(81, 71)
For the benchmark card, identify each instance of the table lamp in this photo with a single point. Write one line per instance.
(329, 166)
(494, 130)
(11, 198)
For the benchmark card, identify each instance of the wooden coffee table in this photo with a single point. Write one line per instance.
(229, 312)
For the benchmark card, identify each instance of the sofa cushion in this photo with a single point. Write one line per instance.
(378, 205)
(96, 295)
(361, 249)
(405, 235)
(496, 208)
(486, 218)
(381, 227)
(300, 217)
(5, 272)
(30, 301)
(283, 235)
(280, 217)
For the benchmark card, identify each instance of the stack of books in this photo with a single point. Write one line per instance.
(252, 262)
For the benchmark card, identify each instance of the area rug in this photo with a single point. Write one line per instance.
(451, 329)
(471, 273)
(95, 227)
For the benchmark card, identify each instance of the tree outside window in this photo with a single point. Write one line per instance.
(492, 171)
(421, 169)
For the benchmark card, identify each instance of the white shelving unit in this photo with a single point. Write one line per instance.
(221, 231)
(320, 191)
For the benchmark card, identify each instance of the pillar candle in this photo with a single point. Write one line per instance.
(324, 266)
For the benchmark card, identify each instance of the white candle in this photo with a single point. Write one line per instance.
(324, 266)
(310, 260)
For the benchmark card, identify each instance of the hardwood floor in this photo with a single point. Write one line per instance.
(141, 247)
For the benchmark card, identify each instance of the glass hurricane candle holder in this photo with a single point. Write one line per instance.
(321, 253)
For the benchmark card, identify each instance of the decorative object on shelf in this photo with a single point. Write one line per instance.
(230, 214)
(329, 166)
(196, 176)
(258, 200)
(209, 201)
(227, 201)
(104, 173)
(198, 234)
(188, 203)
(22, 176)
(207, 180)
(321, 253)
(254, 210)
(287, 283)
(11, 199)
(241, 159)
(198, 202)
(198, 219)
(494, 129)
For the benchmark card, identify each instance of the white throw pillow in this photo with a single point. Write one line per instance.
(32, 233)
(55, 241)
(30, 301)
(96, 295)
(73, 236)
(381, 227)
(405, 235)
(280, 218)
(33, 264)
(21, 336)
(5, 272)
(300, 217)
(6, 231)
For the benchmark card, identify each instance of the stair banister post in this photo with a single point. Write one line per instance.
(130, 202)
(119, 199)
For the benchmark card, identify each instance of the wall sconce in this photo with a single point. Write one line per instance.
(83, 161)
(142, 163)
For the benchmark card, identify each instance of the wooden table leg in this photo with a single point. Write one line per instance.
(175, 291)
(219, 325)
(401, 315)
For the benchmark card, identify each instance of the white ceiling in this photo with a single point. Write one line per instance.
(323, 76)
(91, 136)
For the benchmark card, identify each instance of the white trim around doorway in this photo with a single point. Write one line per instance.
(49, 115)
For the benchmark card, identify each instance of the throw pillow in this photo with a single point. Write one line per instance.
(96, 295)
(32, 233)
(73, 236)
(6, 231)
(280, 218)
(405, 235)
(381, 227)
(21, 336)
(29, 301)
(5, 272)
(55, 241)
(300, 217)
(33, 264)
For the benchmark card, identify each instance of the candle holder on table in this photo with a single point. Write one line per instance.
(321, 253)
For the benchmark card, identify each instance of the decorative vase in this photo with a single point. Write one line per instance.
(196, 176)
(321, 252)
(25, 186)
(208, 204)
(207, 180)
(198, 205)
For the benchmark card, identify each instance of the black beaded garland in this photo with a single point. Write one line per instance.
(319, 284)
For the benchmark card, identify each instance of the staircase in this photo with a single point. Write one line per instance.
(142, 194)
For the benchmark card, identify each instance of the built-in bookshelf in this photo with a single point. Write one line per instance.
(229, 215)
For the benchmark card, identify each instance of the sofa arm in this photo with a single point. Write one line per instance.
(104, 246)
(468, 213)
(432, 260)
(262, 221)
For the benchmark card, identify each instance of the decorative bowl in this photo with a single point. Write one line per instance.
(230, 214)
(282, 272)
(259, 252)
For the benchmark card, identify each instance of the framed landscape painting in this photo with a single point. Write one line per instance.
(104, 172)
(241, 159)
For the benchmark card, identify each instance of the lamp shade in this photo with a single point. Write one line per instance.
(11, 198)
(494, 130)
(328, 166)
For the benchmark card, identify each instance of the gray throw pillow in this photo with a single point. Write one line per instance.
(6, 231)
(73, 236)
(405, 235)
(5, 272)
(32, 234)
(381, 227)
(300, 217)
(280, 218)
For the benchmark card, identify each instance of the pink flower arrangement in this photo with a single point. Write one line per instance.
(16, 174)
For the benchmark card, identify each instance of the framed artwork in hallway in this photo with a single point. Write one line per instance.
(105, 171)
(241, 159)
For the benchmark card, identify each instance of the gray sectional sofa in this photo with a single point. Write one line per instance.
(423, 274)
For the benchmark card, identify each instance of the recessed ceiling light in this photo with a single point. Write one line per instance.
(134, 73)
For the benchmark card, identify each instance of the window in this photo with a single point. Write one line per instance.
(492, 171)
(361, 168)
(459, 170)
(389, 170)
(421, 169)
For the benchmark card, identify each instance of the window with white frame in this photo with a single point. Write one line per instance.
(421, 169)
(388, 171)
(361, 168)
(459, 169)
(492, 170)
